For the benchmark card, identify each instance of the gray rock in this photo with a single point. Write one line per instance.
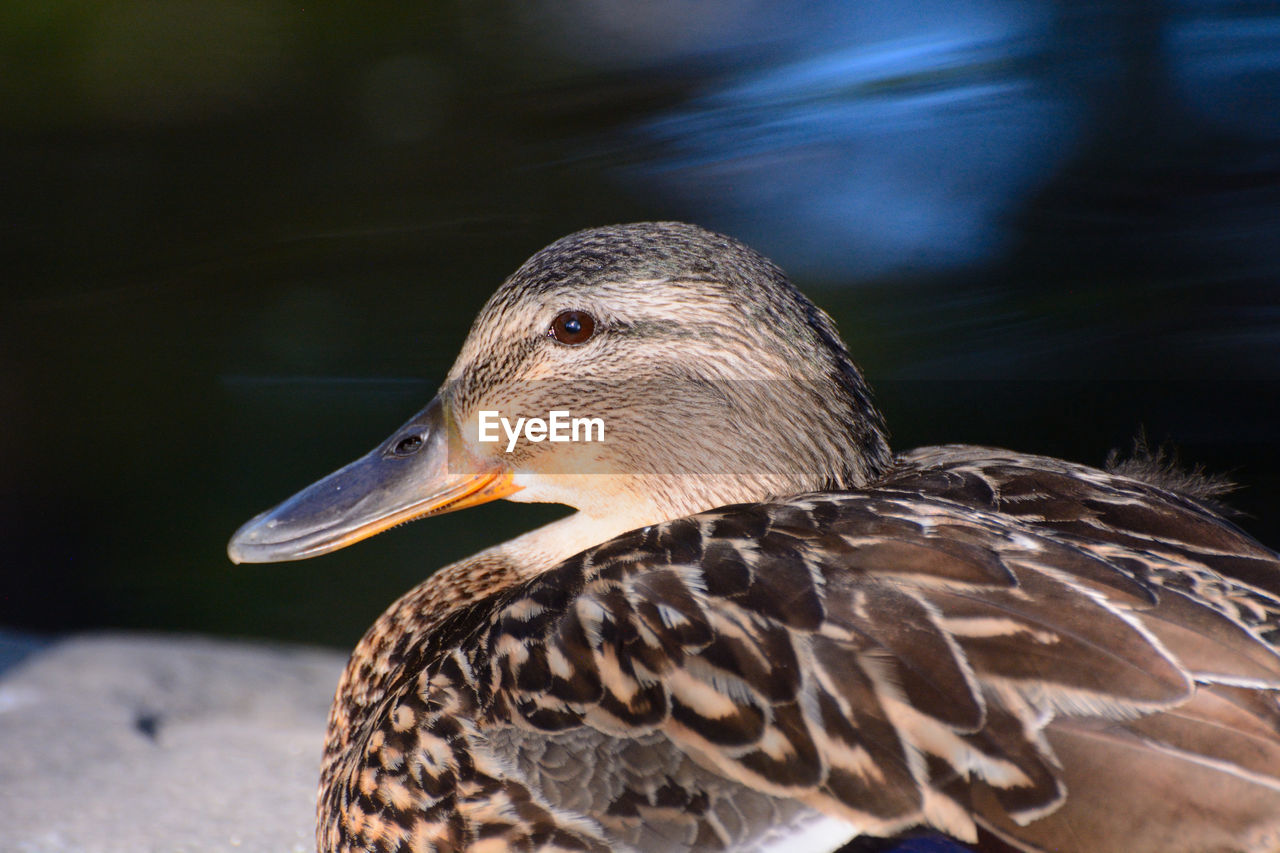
(116, 743)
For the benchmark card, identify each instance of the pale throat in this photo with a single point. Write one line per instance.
(607, 506)
(612, 505)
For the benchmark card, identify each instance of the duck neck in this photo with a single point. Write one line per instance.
(533, 553)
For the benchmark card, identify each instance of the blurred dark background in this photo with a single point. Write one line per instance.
(241, 241)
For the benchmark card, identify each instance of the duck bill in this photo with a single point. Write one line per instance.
(407, 477)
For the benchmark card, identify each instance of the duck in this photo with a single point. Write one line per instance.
(760, 628)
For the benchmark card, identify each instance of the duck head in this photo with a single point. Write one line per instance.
(659, 369)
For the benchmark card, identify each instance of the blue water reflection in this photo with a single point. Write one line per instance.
(901, 155)
(881, 138)
(1224, 61)
(864, 139)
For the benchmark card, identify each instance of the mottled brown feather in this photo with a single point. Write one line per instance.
(775, 643)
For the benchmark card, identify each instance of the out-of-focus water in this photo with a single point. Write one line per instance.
(242, 241)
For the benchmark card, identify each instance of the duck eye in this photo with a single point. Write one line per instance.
(407, 445)
(572, 327)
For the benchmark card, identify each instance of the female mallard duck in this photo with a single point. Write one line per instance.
(762, 630)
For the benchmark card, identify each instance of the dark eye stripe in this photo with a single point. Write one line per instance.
(572, 327)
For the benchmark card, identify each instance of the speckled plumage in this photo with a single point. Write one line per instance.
(997, 646)
(964, 586)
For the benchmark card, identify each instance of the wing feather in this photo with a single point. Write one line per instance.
(954, 643)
